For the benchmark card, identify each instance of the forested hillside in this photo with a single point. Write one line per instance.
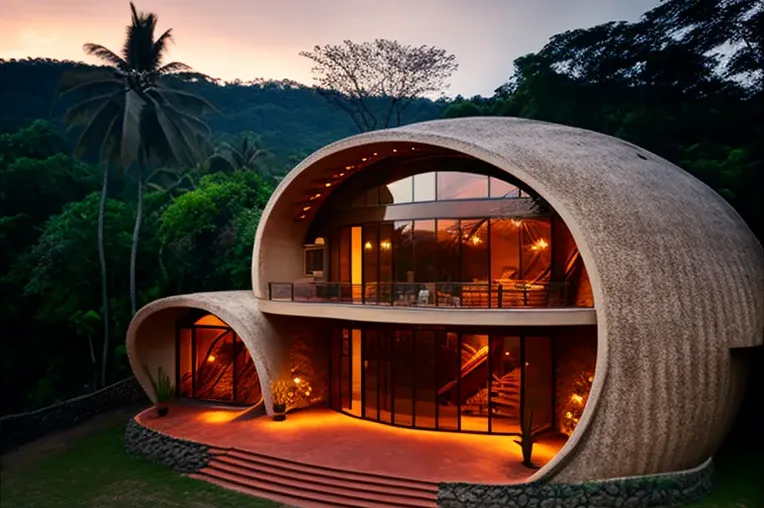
(289, 118)
(685, 81)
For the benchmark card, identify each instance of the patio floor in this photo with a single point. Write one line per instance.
(323, 437)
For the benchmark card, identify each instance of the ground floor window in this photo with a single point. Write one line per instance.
(435, 378)
(212, 362)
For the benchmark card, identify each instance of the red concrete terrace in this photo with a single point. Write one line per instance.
(327, 439)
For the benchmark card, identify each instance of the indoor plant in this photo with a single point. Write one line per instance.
(163, 391)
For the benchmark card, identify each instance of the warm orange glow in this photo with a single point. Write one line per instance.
(517, 223)
(210, 320)
(368, 246)
(374, 154)
(506, 353)
(385, 245)
(305, 208)
(296, 380)
(217, 416)
(348, 167)
(211, 358)
(302, 216)
(395, 150)
(363, 160)
(315, 196)
(342, 174)
(476, 240)
(328, 184)
(540, 245)
(324, 431)
(577, 398)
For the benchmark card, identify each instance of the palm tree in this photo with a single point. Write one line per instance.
(132, 118)
(242, 155)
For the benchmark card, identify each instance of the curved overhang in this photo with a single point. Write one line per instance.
(433, 315)
(150, 336)
(677, 279)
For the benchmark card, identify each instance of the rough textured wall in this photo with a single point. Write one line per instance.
(307, 357)
(677, 279)
(673, 489)
(178, 454)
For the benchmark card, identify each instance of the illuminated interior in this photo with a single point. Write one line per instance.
(213, 363)
(430, 228)
(463, 380)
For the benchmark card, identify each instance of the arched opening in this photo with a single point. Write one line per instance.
(212, 362)
(429, 227)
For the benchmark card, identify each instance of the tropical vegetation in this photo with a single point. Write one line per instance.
(684, 81)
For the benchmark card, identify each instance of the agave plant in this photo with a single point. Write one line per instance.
(526, 440)
(131, 117)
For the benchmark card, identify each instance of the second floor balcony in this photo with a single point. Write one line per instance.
(466, 295)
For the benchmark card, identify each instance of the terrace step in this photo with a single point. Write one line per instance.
(306, 485)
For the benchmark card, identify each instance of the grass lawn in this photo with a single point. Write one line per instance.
(95, 471)
(740, 481)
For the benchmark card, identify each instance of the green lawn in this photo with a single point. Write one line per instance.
(96, 472)
(740, 481)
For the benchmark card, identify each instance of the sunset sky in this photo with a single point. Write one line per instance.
(247, 39)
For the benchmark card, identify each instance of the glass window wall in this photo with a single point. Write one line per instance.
(213, 363)
(486, 263)
(444, 380)
(432, 186)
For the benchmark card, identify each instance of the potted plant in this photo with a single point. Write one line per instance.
(163, 390)
(281, 393)
(526, 440)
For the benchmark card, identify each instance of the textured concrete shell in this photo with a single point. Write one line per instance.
(677, 276)
(150, 336)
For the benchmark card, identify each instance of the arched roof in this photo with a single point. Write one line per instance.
(152, 330)
(677, 276)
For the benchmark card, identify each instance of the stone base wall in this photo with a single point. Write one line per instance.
(178, 454)
(672, 489)
(22, 428)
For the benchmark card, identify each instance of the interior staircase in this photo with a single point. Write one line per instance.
(505, 394)
(307, 486)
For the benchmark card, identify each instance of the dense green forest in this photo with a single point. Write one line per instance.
(290, 119)
(685, 81)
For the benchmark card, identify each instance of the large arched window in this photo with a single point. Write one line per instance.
(213, 363)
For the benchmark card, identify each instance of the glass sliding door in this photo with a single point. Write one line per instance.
(403, 378)
(431, 378)
(214, 364)
(448, 362)
(371, 376)
(537, 382)
(505, 384)
(473, 384)
(425, 407)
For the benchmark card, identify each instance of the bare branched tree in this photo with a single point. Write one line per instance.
(374, 82)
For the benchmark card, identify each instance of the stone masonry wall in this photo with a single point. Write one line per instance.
(178, 454)
(673, 489)
(19, 429)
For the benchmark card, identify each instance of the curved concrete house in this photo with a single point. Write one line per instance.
(461, 275)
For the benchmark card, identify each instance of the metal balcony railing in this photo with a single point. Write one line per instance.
(428, 294)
